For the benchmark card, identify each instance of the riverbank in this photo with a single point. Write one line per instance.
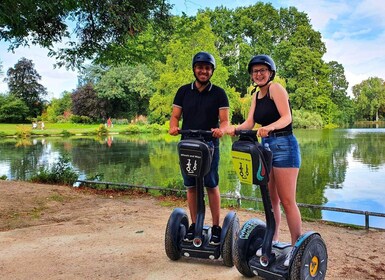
(68, 129)
(57, 232)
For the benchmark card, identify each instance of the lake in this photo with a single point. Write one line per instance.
(342, 168)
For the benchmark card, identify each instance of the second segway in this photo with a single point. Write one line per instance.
(195, 158)
(252, 163)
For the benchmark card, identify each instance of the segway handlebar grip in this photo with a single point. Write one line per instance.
(197, 132)
(246, 132)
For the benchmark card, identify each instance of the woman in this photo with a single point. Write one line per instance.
(270, 108)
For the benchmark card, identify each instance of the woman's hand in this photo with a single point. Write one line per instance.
(231, 130)
(264, 131)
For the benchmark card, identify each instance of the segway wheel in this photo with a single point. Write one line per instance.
(310, 262)
(229, 242)
(248, 240)
(175, 231)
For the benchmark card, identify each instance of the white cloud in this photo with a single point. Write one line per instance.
(353, 32)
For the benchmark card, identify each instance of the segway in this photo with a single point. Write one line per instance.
(195, 159)
(252, 163)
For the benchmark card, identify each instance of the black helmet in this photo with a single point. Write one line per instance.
(203, 57)
(263, 59)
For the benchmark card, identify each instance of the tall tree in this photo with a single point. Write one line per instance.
(339, 83)
(369, 98)
(177, 70)
(97, 25)
(23, 82)
(128, 89)
(339, 96)
(85, 102)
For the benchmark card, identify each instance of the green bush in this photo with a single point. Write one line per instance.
(102, 130)
(80, 119)
(306, 119)
(60, 173)
(66, 133)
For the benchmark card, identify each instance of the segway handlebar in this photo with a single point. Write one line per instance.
(246, 132)
(195, 132)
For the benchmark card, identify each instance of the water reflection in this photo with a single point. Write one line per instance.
(340, 168)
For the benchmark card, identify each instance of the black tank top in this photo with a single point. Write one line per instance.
(266, 112)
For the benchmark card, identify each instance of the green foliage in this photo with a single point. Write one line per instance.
(369, 97)
(81, 119)
(193, 36)
(59, 108)
(128, 90)
(66, 133)
(12, 109)
(147, 128)
(98, 26)
(139, 73)
(102, 130)
(23, 131)
(61, 172)
(306, 119)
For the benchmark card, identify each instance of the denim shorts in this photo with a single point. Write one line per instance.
(285, 149)
(211, 179)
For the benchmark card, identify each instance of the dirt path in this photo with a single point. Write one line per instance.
(56, 232)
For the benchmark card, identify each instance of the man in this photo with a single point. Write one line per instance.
(202, 105)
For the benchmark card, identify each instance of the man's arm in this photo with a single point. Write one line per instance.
(174, 120)
(223, 123)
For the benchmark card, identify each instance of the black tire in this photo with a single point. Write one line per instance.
(175, 231)
(246, 245)
(310, 261)
(229, 242)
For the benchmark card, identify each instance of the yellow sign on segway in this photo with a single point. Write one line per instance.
(243, 166)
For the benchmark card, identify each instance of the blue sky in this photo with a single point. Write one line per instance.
(353, 31)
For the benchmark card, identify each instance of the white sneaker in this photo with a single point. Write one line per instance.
(288, 258)
(259, 251)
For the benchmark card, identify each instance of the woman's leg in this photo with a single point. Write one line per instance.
(286, 185)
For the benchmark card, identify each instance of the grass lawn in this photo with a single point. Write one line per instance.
(56, 128)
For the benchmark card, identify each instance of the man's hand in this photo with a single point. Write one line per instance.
(173, 130)
(217, 132)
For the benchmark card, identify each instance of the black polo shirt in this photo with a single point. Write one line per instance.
(200, 110)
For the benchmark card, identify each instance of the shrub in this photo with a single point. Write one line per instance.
(23, 131)
(306, 119)
(60, 173)
(102, 130)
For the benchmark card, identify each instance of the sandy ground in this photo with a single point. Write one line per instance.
(58, 232)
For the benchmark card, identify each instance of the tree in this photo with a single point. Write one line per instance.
(369, 98)
(23, 83)
(339, 83)
(12, 109)
(98, 25)
(59, 109)
(85, 102)
(128, 89)
(345, 111)
(193, 36)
